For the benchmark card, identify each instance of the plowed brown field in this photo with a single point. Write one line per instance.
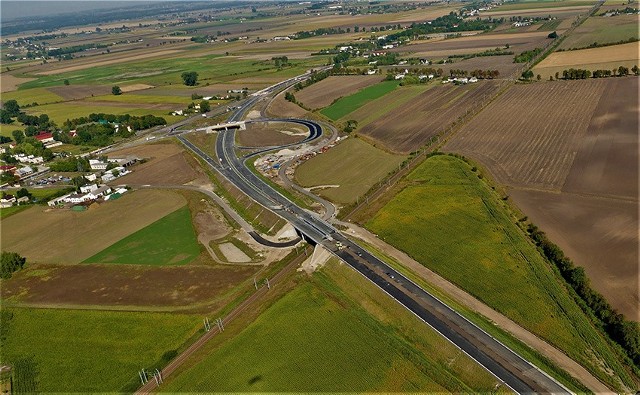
(323, 93)
(410, 126)
(569, 152)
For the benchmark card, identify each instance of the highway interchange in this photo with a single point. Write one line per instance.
(514, 371)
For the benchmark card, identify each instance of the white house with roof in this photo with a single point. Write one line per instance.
(97, 164)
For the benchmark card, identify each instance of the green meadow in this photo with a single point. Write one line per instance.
(348, 104)
(169, 241)
(450, 221)
(319, 338)
(56, 350)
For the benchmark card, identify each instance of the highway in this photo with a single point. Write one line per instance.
(514, 371)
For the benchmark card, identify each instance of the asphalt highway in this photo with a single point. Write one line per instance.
(514, 371)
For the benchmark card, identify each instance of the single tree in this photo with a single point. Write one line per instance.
(5, 117)
(66, 82)
(12, 107)
(190, 78)
(116, 90)
(205, 106)
(9, 263)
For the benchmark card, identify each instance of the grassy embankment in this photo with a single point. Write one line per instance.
(327, 335)
(169, 241)
(447, 219)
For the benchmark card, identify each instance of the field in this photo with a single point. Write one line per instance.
(348, 104)
(388, 103)
(167, 164)
(323, 93)
(591, 59)
(328, 336)
(581, 152)
(266, 134)
(280, 107)
(471, 241)
(602, 30)
(170, 240)
(86, 351)
(346, 171)
(409, 127)
(132, 287)
(29, 232)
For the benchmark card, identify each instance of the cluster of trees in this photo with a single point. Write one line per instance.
(313, 78)
(99, 130)
(625, 333)
(10, 109)
(280, 61)
(446, 23)
(203, 39)
(323, 31)
(582, 74)
(136, 122)
(190, 78)
(10, 262)
(72, 163)
(527, 56)
(73, 49)
(27, 146)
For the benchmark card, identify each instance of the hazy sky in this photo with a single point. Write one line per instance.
(24, 8)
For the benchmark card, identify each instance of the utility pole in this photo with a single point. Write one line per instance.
(267, 282)
(207, 325)
(220, 324)
(255, 282)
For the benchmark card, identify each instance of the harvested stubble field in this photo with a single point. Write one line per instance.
(167, 164)
(577, 143)
(603, 30)
(29, 232)
(270, 133)
(75, 92)
(328, 335)
(453, 223)
(609, 57)
(325, 92)
(409, 127)
(56, 350)
(136, 287)
(346, 171)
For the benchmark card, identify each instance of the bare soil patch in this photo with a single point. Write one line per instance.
(74, 92)
(135, 87)
(46, 235)
(409, 127)
(233, 253)
(517, 41)
(125, 285)
(270, 133)
(10, 83)
(325, 92)
(598, 234)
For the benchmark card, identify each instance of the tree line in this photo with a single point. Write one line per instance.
(625, 333)
(582, 74)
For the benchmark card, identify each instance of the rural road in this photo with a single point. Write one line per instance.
(513, 370)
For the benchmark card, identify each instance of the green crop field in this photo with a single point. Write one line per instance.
(169, 241)
(6, 129)
(8, 211)
(29, 96)
(537, 4)
(447, 219)
(603, 30)
(349, 169)
(55, 350)
(347, 104)
(317, 338)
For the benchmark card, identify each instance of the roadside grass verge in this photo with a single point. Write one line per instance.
(448, 220)
(56, 350)
(348, 104)
(168, 241)
(318, 337)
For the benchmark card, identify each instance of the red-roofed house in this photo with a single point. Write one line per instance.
(7, 169)
(44, 137)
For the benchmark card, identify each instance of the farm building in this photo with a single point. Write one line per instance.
(45, 137)
(7, 201)
(97, 164)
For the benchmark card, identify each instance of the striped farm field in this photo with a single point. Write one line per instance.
(410, 126)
